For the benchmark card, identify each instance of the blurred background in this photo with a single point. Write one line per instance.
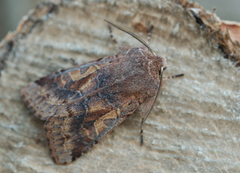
(12, 11)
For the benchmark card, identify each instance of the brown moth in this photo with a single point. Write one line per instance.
(82, 104)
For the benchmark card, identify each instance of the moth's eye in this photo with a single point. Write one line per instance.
(162, 70)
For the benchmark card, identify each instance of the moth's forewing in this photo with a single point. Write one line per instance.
(49, 93)
(98, 100)
(75, 129)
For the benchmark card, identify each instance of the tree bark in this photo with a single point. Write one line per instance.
(194, 125)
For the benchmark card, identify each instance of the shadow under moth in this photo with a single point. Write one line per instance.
(82, 104)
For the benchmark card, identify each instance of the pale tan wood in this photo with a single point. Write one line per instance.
(194, 126)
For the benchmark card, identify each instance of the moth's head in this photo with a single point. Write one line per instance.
(162, 63)
(157, 61)
(159, 65)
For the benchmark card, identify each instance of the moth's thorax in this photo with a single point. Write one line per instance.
(145, 58)
(140, 70)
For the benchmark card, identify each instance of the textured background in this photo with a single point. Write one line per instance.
(11, 11)
(194, 126)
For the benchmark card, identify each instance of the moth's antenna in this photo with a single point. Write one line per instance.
(146, 116)
(133, 35)
(144, 119)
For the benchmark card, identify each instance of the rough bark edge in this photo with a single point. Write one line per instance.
(208, 22)
(40, 13)
(212, 28)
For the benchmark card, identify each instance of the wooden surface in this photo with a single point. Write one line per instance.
(194, 126)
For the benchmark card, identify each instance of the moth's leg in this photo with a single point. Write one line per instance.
(164, 79)
(142, 110)
(174, 76)
(111, 34)
(149, 34)
(141, 131)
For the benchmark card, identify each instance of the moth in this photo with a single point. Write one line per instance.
(82, 104)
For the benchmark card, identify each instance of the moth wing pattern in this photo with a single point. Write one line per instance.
(46, 95)
(81, 123)
(70, 135)
(84, 103)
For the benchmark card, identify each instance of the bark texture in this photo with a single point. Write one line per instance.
(195, 123)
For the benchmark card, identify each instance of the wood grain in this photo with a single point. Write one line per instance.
(194, 126)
